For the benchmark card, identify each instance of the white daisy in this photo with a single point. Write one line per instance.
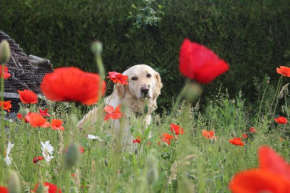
(94, 137)
(47, 151)
(7, 159)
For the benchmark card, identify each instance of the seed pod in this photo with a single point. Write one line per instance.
(5, 52)
(97, 47)
(14, 184)
(72, 156)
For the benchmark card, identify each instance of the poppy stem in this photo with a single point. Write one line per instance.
(3, 138)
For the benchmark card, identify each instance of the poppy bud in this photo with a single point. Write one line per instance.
(23, 111)
(5, 52)
(193, 91)
(152, 168)
(40, 188)
(72, 156)
(97, 47)
(14, 185)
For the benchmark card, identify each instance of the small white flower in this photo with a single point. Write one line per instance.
(7, 159)
(94, 137)
(47, 151)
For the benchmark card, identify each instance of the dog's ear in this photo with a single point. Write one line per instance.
(121, 90)
(159, 85)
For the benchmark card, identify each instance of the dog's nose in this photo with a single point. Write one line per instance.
(144, 89)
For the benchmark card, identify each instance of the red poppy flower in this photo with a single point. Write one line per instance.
(176, 129)
(113, 114)
(37, 159)
(72, 84)
(6, 74)
(51, 188)
(3, 189)
(245, 135)
(208, 134)
(57, 124)
(44, 112)
(236, 141)
(20, 117)
(284, 71)
(118, 78)
(27, 97)
(6, 105)
(272, 176)
(281, 120)
(252, 130)
(37, 120)
(200, 63)
(166, 138)
(137, 140)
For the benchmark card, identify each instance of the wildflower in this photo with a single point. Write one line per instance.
(36, 120)
(27, 97)
(236, 141)
(3, 189)
(284, 71)
(281, 120)
(72, 84)
(208, 134)
(44, 112)
(118, 78)
(199, 63)
(20, 117)
(176, 129)
(273, 175)
(245, 135)
(7, 159)
(137, 140)
(6, 105)
(6, 74)
(94, 137)
(81, 149)
(47, 151)
(113, 114)
(57, 124)
(37, 159)
(166, 138)
(50, 188)
(252, 130)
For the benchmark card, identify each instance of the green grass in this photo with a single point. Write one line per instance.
(190, 164)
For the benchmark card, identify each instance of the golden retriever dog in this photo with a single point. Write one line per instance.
(139, 97)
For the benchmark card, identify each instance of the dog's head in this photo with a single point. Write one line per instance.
(144, 82)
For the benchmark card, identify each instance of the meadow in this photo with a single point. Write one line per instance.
(190, 150)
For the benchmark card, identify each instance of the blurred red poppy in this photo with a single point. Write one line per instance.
(117, 77)
(72, 84)
(245, 135)
(51, 188)
(272, 176)
(208, 134)
(113, 114)
(176, 129)
(137, 140)
(252, 130)
(199, 63)
(3, 189)
(20, 117)
(27, 97)
(44, 112)
(281, 120)
(6, 74)
(36, 120)
(166, 138)
(284, 71)
(6, 105)
(37, 159)
(236, 141)
(57, 124)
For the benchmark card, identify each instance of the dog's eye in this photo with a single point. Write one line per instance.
(134, 78)
(148, 75)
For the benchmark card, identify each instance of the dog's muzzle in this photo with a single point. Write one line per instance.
(144, 91)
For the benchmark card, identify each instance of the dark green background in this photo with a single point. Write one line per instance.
(253, 36)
